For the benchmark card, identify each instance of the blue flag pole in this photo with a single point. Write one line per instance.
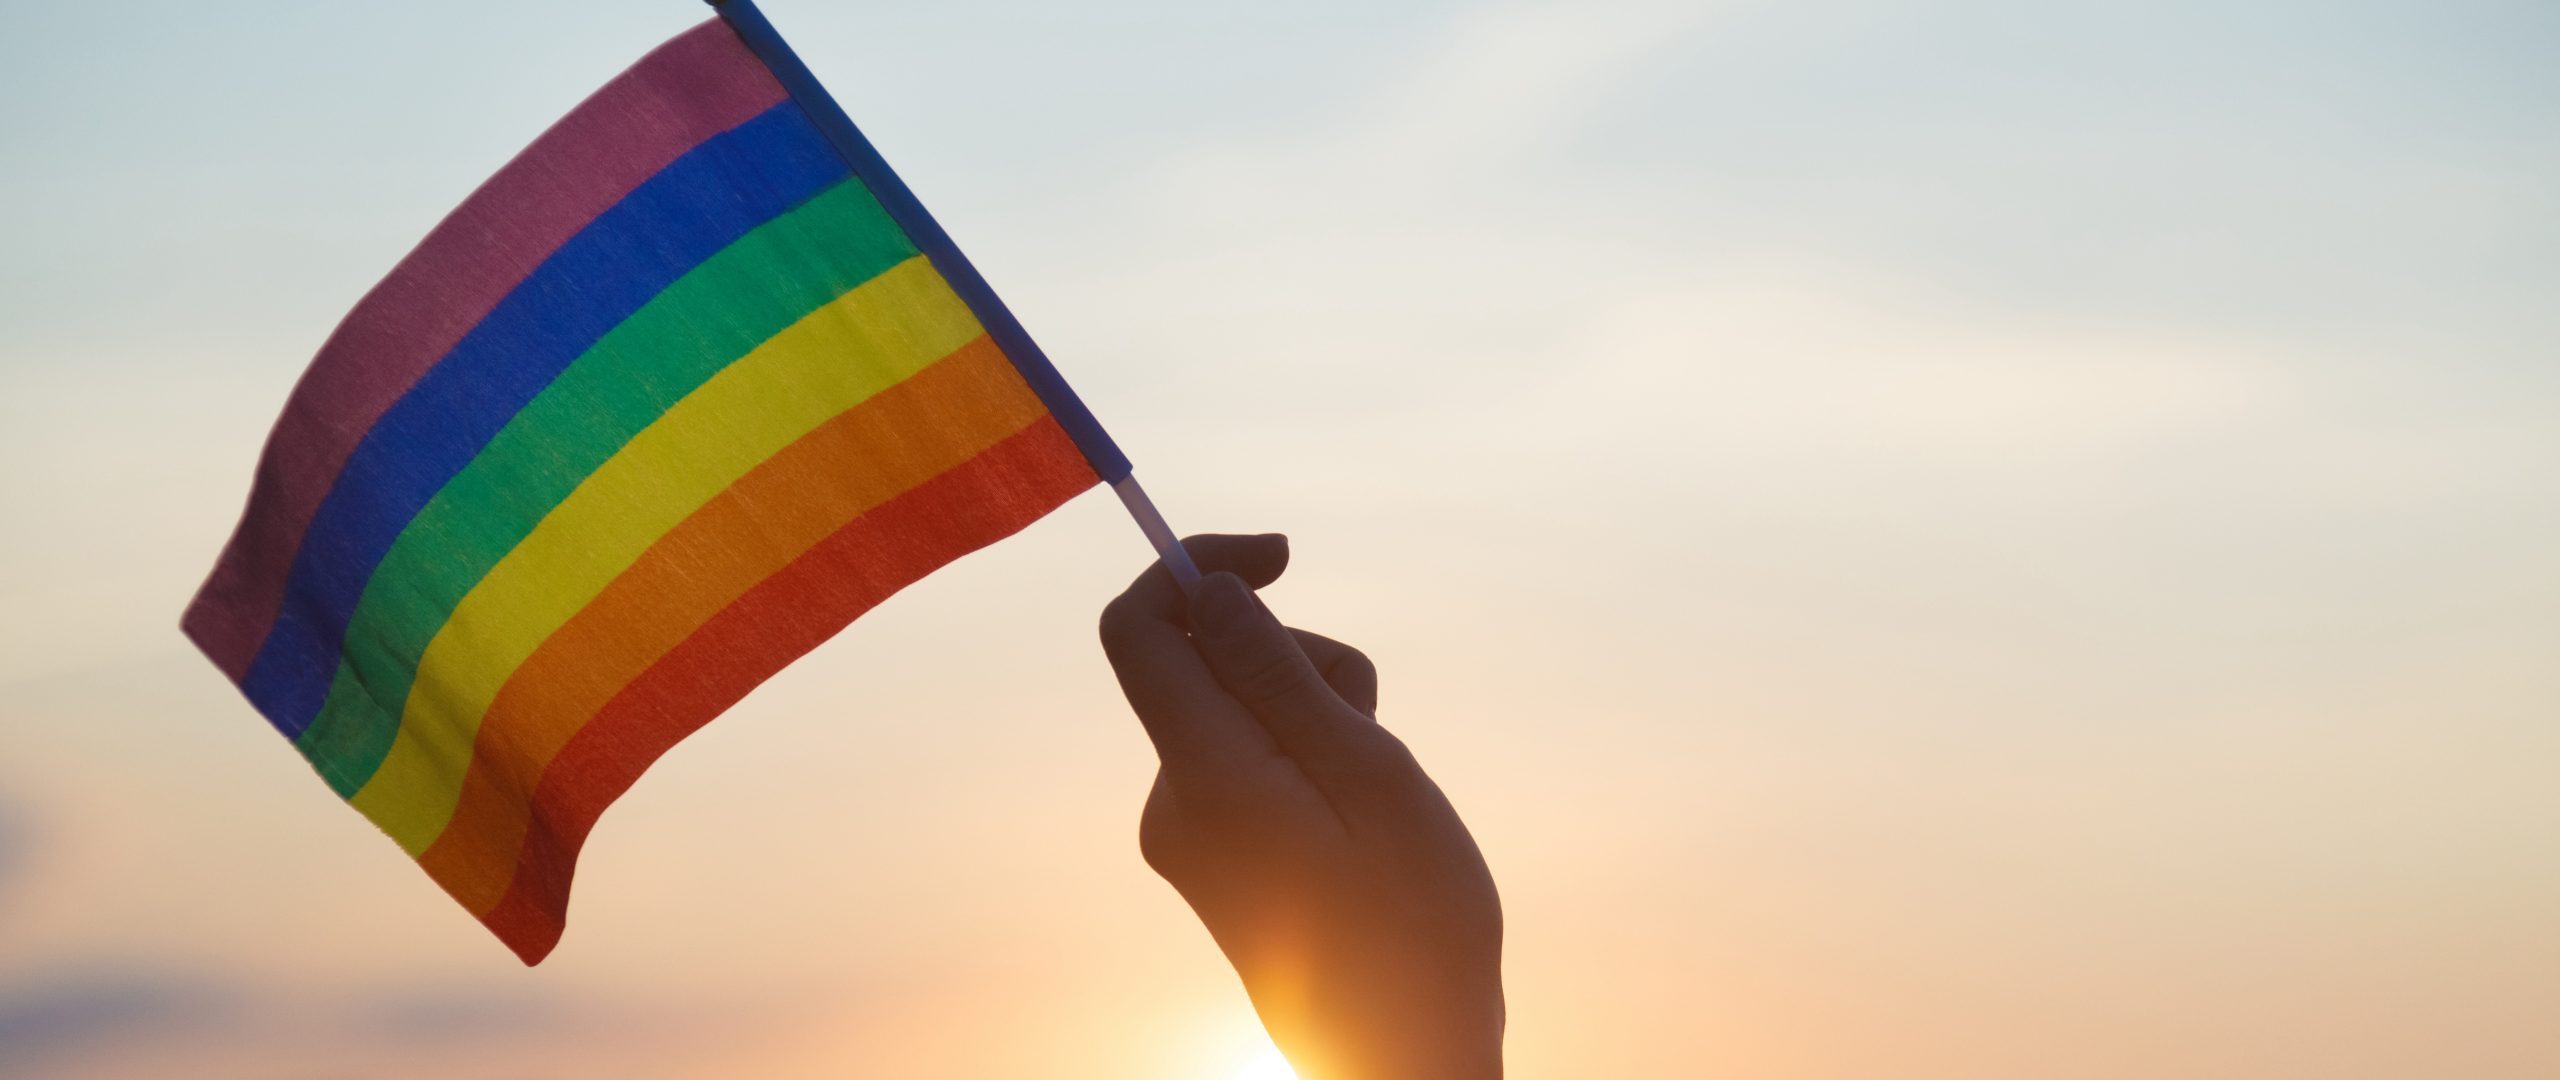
(1006, 331)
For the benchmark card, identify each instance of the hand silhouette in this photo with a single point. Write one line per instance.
(1329, 868)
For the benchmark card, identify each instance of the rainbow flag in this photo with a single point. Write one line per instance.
(680, 392)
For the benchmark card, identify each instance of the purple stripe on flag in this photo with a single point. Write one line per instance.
(690, 89)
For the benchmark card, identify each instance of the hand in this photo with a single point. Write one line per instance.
(1330, 869)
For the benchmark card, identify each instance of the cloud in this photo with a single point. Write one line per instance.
(62, 1018)
(1506, 80)
(1491, 96)
(455, 1014)
(1786, 361)
(98, 1017)
(17, 842)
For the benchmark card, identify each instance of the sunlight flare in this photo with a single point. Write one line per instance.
(1267, 1065)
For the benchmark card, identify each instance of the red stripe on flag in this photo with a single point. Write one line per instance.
(990, 497)
(935, 420)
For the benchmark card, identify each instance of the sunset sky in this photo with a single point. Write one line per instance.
(1974, 539)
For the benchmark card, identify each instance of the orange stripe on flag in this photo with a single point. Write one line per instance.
(978, 503)
(937, 418)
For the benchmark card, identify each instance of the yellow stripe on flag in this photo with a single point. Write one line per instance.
(864, 342)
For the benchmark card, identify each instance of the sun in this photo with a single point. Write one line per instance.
(1268, 1065)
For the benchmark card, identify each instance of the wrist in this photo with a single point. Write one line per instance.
(1450, 1036)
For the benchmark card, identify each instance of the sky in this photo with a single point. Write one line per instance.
(1972, 539)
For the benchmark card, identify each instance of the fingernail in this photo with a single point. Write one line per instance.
(1221, 601)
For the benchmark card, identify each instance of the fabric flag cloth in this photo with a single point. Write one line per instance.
(680, 392)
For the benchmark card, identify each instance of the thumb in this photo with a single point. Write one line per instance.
(1260, 663)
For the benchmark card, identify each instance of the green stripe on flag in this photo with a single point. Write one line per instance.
(720, 311)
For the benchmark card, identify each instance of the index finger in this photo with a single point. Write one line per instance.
(1192, 720)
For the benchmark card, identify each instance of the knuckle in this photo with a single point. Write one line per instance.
(1352, 662)
(1116, 620)
(1270, 677)
(1381, 758)
(1358, 667)
(1162, 854)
